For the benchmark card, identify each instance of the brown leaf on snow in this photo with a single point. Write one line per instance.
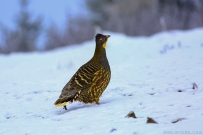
(194, 86)
(151, 120)
(177, 120)
(131, 114)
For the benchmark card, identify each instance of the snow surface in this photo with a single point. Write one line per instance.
(147, 73)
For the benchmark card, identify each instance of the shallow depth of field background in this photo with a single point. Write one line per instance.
(28, 25)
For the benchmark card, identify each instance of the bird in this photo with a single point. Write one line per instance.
(90, 80)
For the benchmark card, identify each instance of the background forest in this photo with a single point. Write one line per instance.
(131, 17)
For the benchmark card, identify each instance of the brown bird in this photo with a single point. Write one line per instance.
(91, 79)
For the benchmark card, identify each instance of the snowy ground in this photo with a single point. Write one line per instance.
(151, 76)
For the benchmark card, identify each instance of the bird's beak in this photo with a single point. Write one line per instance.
(107, 36)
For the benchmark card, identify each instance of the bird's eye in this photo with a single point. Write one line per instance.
(101, 38)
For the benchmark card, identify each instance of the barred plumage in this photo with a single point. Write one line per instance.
(91, 79)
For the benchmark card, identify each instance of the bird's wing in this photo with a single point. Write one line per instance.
(83, 78)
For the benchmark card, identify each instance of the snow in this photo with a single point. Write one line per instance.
(147, 73)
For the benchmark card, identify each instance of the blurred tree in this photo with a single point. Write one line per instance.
(100, 14)
(131, 17)
(146, 17)
(24, 37)
(181, 14)
(78, 29)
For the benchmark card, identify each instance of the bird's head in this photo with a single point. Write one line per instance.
(101, 40)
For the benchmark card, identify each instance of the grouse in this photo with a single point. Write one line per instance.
(90, 80)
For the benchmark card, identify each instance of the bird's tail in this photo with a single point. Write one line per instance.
(62, 101)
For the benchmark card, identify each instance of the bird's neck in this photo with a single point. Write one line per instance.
(100, 52)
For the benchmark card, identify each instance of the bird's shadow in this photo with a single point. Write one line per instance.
(79, 106)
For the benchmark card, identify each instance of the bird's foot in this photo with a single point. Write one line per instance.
(65, 107)
(98, 103)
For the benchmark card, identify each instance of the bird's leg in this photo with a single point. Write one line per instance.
(65, 107)
(97, 102)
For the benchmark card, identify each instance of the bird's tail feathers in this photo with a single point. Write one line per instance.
(61, 104)
(62, 101)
